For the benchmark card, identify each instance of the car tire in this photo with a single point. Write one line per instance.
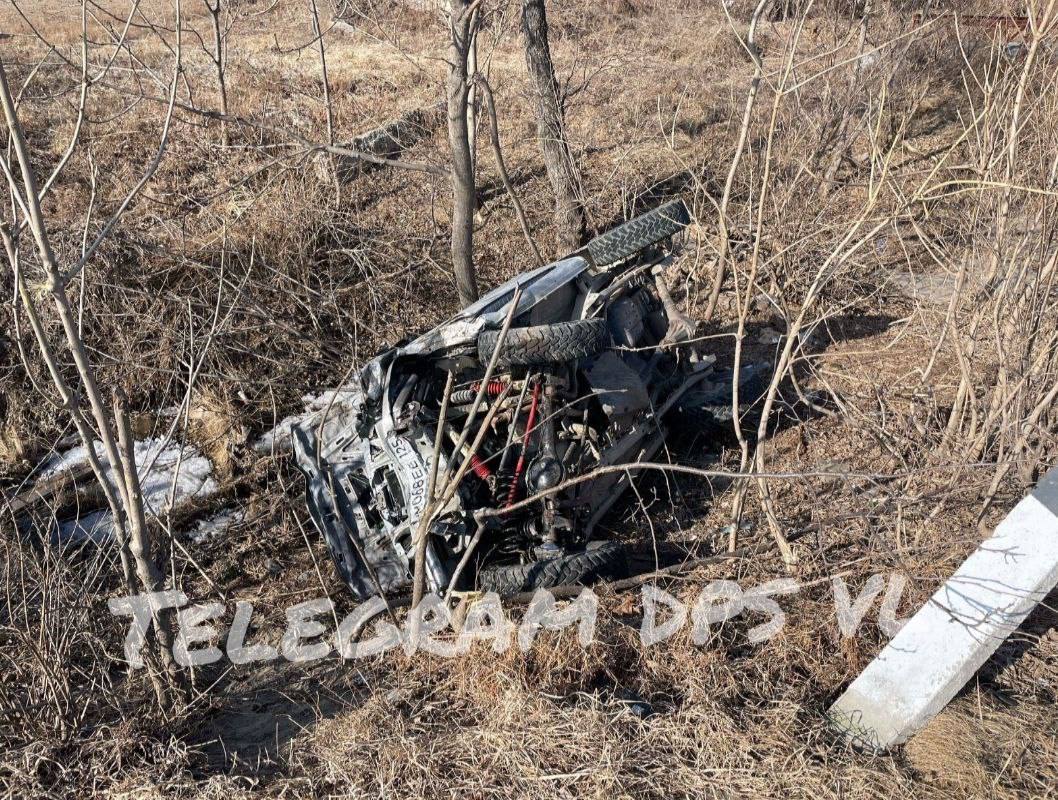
(546, 344)
(602, 560)
(646, 229)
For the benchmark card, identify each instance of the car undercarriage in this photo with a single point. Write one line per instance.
(523, 406)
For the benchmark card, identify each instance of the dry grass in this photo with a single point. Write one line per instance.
(247, 248)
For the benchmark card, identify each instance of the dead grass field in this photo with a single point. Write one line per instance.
(311, 285)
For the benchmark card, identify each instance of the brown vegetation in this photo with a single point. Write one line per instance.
(887, 239)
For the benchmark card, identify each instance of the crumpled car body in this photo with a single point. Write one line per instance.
(595, 358)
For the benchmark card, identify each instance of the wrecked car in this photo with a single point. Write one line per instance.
(595, 358)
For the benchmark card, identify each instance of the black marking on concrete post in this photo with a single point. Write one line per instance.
(1046, 491)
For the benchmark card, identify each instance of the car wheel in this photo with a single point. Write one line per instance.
(604, 560)
(631, 237)
(546, 344)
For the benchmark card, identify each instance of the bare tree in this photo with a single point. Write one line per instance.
(841, 135)
(219, 58)
(120, 485)
(750, 44)
(570, 221)
(462, 20)
(501, 167)
(317, 32)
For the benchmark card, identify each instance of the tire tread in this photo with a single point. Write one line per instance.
(547, 344)
(642, 231)
(607, 560)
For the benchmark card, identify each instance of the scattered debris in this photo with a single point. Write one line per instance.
(329, 407)
(217, 525)
(637, 706)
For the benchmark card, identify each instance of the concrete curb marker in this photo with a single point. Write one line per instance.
(943, 645)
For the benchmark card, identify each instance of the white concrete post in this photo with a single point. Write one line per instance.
(941, 648)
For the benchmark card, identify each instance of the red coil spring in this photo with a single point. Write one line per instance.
(493, 389)
(480, 468)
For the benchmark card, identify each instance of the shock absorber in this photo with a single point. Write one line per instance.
(477, 464)
(494, 388)
(480, 468)
(504, 482)
(519, 467)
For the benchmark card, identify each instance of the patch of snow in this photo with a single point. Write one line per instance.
(933, 288)
(336, 404)
(98, 527)
(867, 60)
(217, 525)
(160, 464)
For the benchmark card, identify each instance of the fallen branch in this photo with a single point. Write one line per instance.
(380, 146)
(44, 490)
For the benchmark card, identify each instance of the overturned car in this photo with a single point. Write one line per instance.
(588, 356)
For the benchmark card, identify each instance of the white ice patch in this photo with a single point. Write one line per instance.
(217, 525)
(336, 404)
(161, 463)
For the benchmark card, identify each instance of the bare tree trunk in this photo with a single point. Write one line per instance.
(472, 97)
(561, 170)
(501, 167)
(218, 61)
(124, 498)
(841, 137)
(743, 136)
(460, 27)
(147, 568)
(317, 31)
